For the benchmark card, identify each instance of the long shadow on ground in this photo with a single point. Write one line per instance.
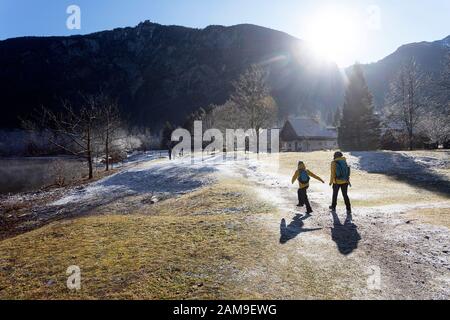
(345, 235)
(289, 232)
(404, 169)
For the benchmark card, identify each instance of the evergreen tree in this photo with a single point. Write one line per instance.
(330, 117)
(359, 126)
(337, 118)
(197, 115)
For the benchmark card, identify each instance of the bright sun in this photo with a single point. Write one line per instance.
(333, 35)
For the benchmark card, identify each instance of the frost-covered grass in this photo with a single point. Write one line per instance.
(187, 247)
(401, 178)
(209, 230)
(206, 244)
(381, 178)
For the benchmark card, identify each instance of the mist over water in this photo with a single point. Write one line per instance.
(22, 174)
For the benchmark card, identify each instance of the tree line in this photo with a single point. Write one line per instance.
(95, 129)
(410, 118)
(249, 107)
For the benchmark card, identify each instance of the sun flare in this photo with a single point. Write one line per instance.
(333, 35)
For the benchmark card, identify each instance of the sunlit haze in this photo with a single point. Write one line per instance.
(333, 34)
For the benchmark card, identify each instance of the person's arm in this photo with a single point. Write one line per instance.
(295, 176)
(349, 183)
(315, 176)
(333, 173)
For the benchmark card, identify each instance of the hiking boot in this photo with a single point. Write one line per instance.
(300, 205)
(349, 219)
(308, 213)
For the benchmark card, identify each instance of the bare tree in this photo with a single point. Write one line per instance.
(109, 125)
(406, 102)
(226, 116)
(436, 126)
(209, 120)
(79, 132)
(253, 100)
(71, 131)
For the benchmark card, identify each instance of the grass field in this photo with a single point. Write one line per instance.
(223, 241)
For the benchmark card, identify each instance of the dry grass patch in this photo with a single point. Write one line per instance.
(151, 257)
(434, 216)
(224, 197)
(181, 248)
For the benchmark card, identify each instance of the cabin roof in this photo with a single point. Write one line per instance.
(310, 128)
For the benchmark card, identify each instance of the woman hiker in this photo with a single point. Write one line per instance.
(340, 179)
(303, 176)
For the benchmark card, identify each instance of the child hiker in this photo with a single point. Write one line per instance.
(303, 176)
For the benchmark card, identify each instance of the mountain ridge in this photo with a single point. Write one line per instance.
(430, 57)
(162, 73)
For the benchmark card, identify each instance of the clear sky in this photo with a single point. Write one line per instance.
(344, 30)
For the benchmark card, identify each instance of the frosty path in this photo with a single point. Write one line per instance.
(407, 254)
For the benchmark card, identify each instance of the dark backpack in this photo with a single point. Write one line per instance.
(342, 170)
(303, 177)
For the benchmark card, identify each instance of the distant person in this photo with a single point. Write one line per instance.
(302, 175)
(340, 179)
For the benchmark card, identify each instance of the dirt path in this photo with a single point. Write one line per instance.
(412, 258)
